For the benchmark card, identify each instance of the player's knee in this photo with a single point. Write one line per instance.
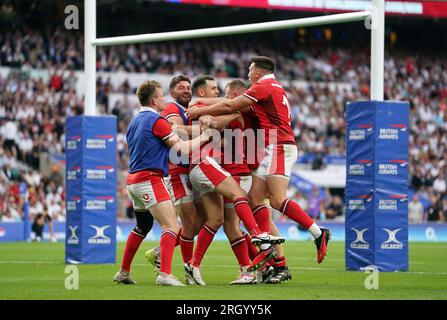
(238, 193)
(191, 229)
(231, 230)
(188, 222)
(145, 221)
(227, 226)
(276, 202)
(255, 200)
(175, 228)
(215, 222)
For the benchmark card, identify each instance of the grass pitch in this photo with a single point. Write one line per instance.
(37, 271)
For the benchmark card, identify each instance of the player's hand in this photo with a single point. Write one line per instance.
(192, 112)
(193, 102)
(205, 121)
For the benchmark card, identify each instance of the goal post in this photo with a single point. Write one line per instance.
(377, 26)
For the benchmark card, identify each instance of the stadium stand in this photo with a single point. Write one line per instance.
(33, 111)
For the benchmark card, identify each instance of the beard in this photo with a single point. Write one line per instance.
(183, 100)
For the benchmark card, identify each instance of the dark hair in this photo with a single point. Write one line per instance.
(177, 79)
(236, 83)
(264, 63)
(146, 91)
(200, 82)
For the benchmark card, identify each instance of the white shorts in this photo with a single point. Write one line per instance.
(146, 194)
(245, 183)
(278, 161)
(180, 189)
(207, 175)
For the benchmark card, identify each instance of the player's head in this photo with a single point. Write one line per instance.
(150, 94)
(180, 89)
(205, 87)
(235, 88)
(259, 67)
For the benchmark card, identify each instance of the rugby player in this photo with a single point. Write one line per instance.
(213, 182)
(150, 137)
(268, 100)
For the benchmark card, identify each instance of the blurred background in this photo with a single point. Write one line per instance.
(322, 68)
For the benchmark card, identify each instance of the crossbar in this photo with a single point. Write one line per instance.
(237, 29)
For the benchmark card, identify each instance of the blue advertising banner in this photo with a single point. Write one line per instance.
(91, 189)
(427, 232)
(377, 185)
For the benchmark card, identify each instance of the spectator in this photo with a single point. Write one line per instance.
(9, 132)
(37, 227)
(35, 207)
(13, 211)
(435, 212)
(315, 204)
(439, 185)
(415, 210)
(335, 208)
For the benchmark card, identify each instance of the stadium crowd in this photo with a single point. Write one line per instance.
(32, 112)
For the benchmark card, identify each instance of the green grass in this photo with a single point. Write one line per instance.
(36, 271)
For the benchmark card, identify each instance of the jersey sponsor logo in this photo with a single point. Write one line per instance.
(99, 237)
(72, 142)
(359, 242)
(205, 186)
(99, 142)
(392, 242)
(359, 133)
(392, 132)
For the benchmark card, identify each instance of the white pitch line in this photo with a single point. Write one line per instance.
(222, 266)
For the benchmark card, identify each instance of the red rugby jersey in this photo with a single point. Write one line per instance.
(233, 152)
(272, 108)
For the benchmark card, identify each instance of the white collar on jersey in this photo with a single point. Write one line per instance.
(267, 76)
(144, 109)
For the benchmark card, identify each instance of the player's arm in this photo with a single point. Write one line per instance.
(224, 107)
(205, 101)
(218, 122)
(163, 131)
(176, 122)
(186, 129)
(186, 146)
(172, 114)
